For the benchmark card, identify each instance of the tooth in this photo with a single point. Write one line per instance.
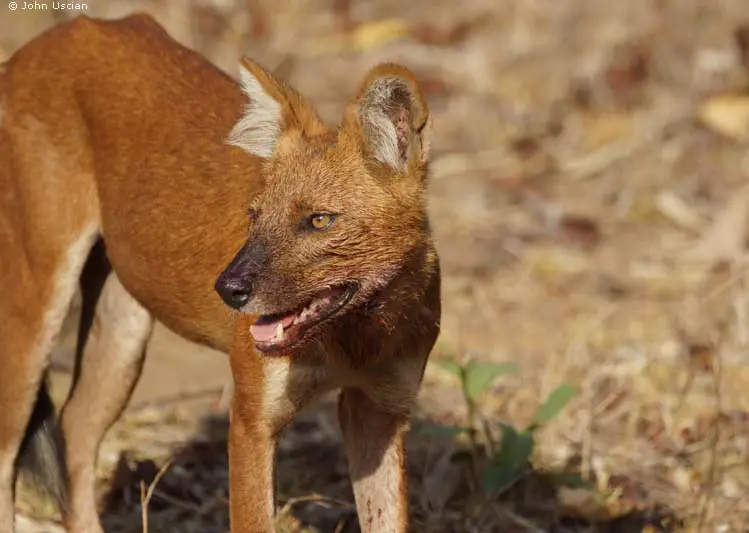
(296, 319)
(279, 332)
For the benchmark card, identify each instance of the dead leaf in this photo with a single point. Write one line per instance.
(628, 71)
(582, 503)
(591, 505)
(725, 239)
(601, 129)
(632, 494)
(730, 424)
(525, 146)
(688, 435)
(378, 33)
(678, 211)
(613, 286)
(580, 230)
(651, 426)
(726, 114)
(610, 395)
(363, 37)
(701, 356)
(684, 479)
(554, 262)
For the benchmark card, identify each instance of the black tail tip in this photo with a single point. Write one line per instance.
(41, 460)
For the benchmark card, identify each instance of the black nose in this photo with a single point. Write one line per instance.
(235, 292)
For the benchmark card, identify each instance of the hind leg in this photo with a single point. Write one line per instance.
(107, 372)
(38, 284)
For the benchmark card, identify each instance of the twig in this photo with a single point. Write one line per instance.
(145, 496)
(316, 498)
(594, 163)
(185, 506)
(341, 524)
(587, 444)
(714, 441)
(491, 445)
(472, 438)
(737, 277)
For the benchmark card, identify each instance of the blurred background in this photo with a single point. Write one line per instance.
(589, 200)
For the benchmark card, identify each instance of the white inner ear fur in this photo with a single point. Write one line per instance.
(380, 99)
(259, 128)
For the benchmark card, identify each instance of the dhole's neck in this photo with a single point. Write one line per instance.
(404, 310)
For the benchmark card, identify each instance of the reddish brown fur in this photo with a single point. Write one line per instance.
(100, 134)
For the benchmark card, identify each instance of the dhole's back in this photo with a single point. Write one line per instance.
(182, 108)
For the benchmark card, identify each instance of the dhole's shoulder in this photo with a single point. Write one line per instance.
(106, 46)
(87, 33)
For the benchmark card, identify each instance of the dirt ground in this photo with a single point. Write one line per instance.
(589, 199)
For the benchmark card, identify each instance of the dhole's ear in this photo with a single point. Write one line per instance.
(273, 107)
(393, 116)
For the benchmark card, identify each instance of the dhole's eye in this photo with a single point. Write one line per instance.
(252, 214)
(320, 221)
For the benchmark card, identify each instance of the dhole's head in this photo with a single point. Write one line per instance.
(341, 210)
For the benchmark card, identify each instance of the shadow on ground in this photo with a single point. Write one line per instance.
(315, 495)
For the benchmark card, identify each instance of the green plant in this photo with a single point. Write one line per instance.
(498, 466)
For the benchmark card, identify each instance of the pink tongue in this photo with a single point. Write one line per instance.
(263, 331)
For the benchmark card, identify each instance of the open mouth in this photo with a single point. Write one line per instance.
(282, 330)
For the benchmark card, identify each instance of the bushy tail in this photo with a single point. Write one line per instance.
(41, 460)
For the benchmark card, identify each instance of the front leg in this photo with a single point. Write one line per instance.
(252, 442)
(251, 473)
(252, 436)
(268, 392)
(373, 437)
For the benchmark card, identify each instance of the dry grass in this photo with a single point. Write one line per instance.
(591, 229)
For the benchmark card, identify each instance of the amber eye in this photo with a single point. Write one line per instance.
(321, 221)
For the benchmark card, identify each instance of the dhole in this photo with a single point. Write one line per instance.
(130, 164)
